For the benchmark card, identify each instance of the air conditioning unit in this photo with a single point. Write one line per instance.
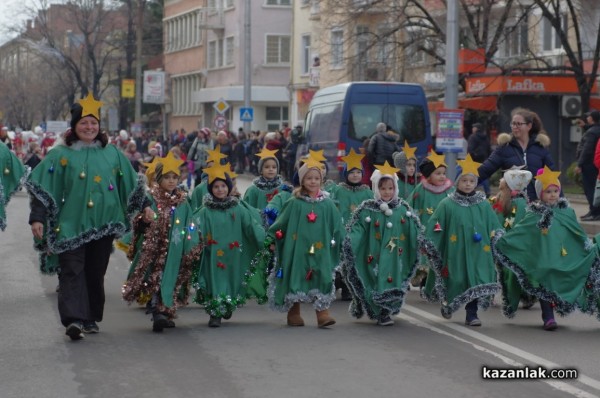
(570, 106)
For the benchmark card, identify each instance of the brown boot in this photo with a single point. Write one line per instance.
(294, 318)
(324, 319)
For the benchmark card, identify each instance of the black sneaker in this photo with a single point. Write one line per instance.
(90, 327)
(74, 331)
(385, 321)
(214, 322)
(159, 322)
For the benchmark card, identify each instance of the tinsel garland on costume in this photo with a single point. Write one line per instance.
(142, 284)
(5, 198)
(467, 200)
(320, 301)
(390, 300)
(266, 185)
(49, 246)
(259, 264)
(227, 203)
(353, 188)
(546, 213)
(562, 307)
(483, 293)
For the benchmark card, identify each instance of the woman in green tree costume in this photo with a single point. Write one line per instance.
(307, 237)
(163, 251)
(459, 232)
(379, 254)
(83, 195)
(231, 234)
(13, 175)
(563, 270)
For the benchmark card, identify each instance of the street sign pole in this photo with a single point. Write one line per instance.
(451, 94)
(247, 62)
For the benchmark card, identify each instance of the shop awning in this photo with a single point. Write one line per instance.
(487, 103)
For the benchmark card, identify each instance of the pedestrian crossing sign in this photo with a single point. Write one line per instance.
(246, 114)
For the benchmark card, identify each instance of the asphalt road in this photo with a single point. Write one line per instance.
(256, 355)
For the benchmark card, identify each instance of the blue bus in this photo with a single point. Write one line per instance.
(341, 117)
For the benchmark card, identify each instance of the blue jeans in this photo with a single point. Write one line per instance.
(485, 184)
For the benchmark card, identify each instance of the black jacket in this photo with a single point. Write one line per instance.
(382, 147)
(587, 146)
(479, 146)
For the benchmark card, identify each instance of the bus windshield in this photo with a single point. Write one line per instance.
(406, 120)
(324, 123)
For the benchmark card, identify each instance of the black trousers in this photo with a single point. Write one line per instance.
(81, 281)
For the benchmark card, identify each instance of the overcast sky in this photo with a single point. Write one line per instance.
(12, 15)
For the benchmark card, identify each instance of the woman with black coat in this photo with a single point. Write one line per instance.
(526, 146)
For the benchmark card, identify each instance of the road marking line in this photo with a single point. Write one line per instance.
(558, 385)
(501, 345)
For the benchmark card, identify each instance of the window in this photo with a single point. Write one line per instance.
(362, 44)
(515, 40)
(406, 120)
(279, 2)
(183, 87)
(305, 57)
(212, 54)
(275, 116)
(337, 47)
(550, 37)
(222, 4)
(385, 48)
(183, 32)
(278, 49)
(229, 51)
(414, 52)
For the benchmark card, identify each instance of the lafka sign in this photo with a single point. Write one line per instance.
(476, 86)
(527, 85)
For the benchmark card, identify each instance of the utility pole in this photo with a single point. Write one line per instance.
(247, 61)
(451, 93)
(139, 33)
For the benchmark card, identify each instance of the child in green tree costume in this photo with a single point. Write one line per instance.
(510, 204)
(268, 184)
(307, 236)
(459, 233)
(214, 156)
(433, 188)
(406, 162)
(563, 271)
(13, 174)
(379, 254)
(163, 250)
(232, 234)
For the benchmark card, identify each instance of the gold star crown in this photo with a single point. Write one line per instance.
(438, 160)
(386, 169)
(218, 170)
(318, 155)
(215, 155)
(90, 106)
(548, 177)
(409, 151)
(267, 153)
(353, 160)
(469, 166)
(151, 168)
(170, 164)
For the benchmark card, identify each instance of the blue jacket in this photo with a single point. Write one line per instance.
(509, 153)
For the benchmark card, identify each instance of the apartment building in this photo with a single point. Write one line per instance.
(204, 59)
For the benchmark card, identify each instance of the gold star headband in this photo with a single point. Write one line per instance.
(267, 153)
(353, 160)
(218, 170)
(170, 164)
(438, 160)
(548, 177)
(469, 166)
(215, 155)
(386, 169)
(90, 106)
(409, 151)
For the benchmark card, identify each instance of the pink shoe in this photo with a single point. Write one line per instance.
(550, 325)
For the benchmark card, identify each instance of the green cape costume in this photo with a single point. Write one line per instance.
(458, 249)
(564, 268)
(262, 191)
(307, 236)
(347, 198)
(379, 256)
(163, 252)
(512, 294)
(89, 192)
(198, 195)
(13, 175)
(231, 234)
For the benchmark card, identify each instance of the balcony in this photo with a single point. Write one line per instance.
(211, 18)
